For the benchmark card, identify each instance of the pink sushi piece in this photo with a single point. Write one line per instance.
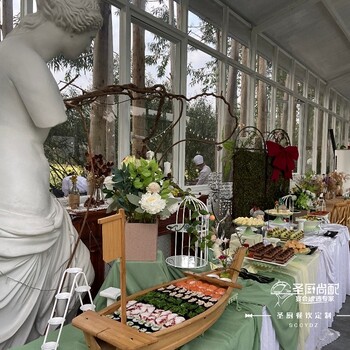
(179, 319)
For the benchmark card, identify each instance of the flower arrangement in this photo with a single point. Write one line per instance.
(307, 188)
(98, 169)
(304, 199)
(334, 182)
(140, 189)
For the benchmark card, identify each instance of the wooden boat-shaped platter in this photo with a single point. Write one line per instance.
(139, 324)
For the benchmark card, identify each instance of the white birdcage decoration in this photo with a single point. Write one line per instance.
(191, 249)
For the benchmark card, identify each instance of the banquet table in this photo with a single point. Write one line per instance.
(255, 318)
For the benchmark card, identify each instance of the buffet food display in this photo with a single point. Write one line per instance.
(284, 234)
(270, 254)
(249, 221)
(170, 305)
(279, 212)
(298, 247)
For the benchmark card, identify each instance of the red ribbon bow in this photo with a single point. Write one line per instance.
(284, 159)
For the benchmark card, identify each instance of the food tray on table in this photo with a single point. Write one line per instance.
(283, 213)
(273, 263)
(248, 222)
(319, 213)
(284, 234)
(310, 250)
(299, 248)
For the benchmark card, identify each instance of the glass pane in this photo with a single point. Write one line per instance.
(165, 10)
(152, 66)
(237, 51)
(282, 76)
(309, 137)
(263, 103)
(338, 105)
(311, 93)
(296, 118)
(338, 133)
(300, 74)
(281, 110)
(200, 133)
(321, 95)
(242, 98)
(201, 112)
(312, 88)
(202, 30)
(264, 67)
(331, 99)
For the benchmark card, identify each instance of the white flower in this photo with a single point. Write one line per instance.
(153, 187)
(152, 203)
(108, 182)
(149, 155)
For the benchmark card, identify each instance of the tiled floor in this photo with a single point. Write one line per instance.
(342, 325)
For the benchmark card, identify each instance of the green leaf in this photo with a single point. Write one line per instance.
(133, 199)
(171, 201)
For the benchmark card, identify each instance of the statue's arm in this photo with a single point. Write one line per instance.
(39, 92)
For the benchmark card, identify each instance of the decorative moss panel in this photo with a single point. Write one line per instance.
(249, 173)
(252, 184)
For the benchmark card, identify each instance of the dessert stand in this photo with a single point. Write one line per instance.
(278, 216)
(248, 230)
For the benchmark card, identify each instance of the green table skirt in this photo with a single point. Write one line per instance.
(234, 330)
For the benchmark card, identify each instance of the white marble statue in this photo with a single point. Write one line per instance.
(36, 234)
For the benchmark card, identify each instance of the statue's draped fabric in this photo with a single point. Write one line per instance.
(34, 252)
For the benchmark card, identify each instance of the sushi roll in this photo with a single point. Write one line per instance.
(208, 304)
(155, 328)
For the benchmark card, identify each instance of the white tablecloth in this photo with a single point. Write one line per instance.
(330, 267)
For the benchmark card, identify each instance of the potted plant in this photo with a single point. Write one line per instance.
(139, 187)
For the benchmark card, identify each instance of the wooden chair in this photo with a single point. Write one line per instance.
(340, 213)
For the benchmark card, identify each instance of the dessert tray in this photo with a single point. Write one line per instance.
(273, 263)
(284, 234)
(247, 226)
(279, 214)
(270, 254)
(300, 248)
(282, 212)
(249, 222)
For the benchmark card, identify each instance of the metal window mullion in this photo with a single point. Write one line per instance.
(324, 153)
(179, 133)
(124, 136)
(251, 80)
(222, 87)
(274, 90)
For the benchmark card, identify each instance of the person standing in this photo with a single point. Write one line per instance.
(36, 233)
(204, 170)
